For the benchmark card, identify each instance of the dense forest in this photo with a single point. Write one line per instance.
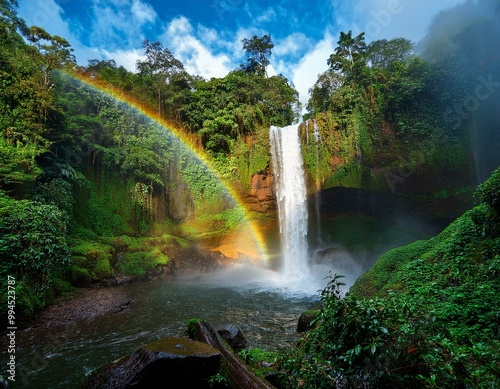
(83, 174)
(83, 177)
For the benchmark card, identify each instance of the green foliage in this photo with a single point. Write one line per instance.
(350, 56)
(388, 103)
(102, 269)
(137, 264)
(383, 53)
(32, 241)
(230, 217)
(348, 175)
(28, 301)
(221, 110)
(219, 380)
(258, 51)
(384, 274)
(488, 194)
(79, 277)
(33, 250)
(94, 257)
(261, 361)
(201, 181)
(453, 280)
(397, 341)
(192, 327)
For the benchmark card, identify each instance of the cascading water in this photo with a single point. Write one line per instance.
(292, 200)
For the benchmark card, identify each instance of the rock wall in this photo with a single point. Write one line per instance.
(261, 196)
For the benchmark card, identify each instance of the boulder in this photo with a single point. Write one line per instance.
(305, 320)
(170, 362)
(234, 337)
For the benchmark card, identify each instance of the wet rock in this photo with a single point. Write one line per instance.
(170, 362)
(194, 261)
(120, 280)
(305, 320)
(234, 337)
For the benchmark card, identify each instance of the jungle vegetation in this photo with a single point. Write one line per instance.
(81, 177)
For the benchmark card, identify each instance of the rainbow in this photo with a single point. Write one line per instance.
(182, 136)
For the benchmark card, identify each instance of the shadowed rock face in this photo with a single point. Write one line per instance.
(233, 335)
(170, 362)
(305, 320)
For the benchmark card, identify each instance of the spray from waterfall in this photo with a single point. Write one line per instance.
(292, 200)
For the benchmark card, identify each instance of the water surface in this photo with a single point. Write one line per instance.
(61, 357)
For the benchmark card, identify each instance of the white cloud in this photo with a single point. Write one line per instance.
(125, 58)
(111, 21)
(46, 14)
(293, 44)
(197, 57)
(208, 35)
(120, 25)
(305, 74)
(267, 16)
(143, 12)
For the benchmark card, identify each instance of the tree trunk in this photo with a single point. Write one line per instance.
(240, 375)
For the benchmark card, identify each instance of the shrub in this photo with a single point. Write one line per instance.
(33, 249)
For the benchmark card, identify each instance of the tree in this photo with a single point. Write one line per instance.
(258, 50)
(97, 66)
(382, 53)
(326, 85)
(349, 55)
(55, 55)
(8, 16)
(160, 65)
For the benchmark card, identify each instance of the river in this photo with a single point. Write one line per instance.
(61, 357)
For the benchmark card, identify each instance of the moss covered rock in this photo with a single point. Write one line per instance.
(95, 257)
(79, 277)
(169, 363)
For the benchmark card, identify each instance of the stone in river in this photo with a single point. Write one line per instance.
(167, 363)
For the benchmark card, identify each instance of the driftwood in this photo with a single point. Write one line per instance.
(240, 375)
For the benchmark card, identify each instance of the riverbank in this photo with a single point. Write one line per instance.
(84, 303)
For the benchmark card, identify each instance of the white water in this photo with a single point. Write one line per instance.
(291, 197)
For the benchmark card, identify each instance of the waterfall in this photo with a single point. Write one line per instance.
(291, 196)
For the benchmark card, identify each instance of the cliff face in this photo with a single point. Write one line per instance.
(437, 177)
(261, 196)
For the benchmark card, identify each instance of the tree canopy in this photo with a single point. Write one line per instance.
(258, 51)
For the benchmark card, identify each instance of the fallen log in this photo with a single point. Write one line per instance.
(240, 375)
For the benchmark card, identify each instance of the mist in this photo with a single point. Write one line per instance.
(464, 41)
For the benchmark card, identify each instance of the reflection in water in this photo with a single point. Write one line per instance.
(61, 357)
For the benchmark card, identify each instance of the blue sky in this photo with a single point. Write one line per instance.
(206, 34)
